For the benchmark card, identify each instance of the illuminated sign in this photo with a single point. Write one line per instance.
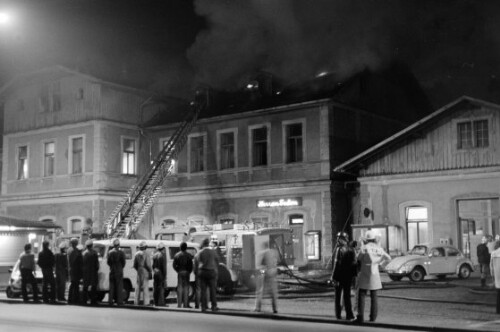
(266, 203)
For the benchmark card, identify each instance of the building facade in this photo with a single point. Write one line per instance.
(435, 182)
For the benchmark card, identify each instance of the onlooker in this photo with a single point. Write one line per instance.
(116, 262)
(62, 271)
(142, 264)
(495, 271)
(369, 259)
(159, 275)
(28, 268)
(75, 261)
(183, 265)
(205, 267)
(46, 262)
(483, 258)
(344, 271)
(490, 243)
(267, 259)
(90, 273)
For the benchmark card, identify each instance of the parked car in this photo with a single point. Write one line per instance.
(423, 260)
(14, 286)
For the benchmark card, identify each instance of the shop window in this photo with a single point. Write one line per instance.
(313, 245)
(472, 134)
(129, 156)
(260, 222)
(48, 159)
(417, 225)
(22, 162)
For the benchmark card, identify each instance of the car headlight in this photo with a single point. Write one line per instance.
(405, 268)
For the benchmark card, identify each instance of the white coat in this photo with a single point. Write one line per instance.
(495, 267)
(369, 258)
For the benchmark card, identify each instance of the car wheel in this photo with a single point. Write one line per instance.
(395, 278)
(441, 276)
(464, 271)
(417, 274)
(127, 288)
(9, 292)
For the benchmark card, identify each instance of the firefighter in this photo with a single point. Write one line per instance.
(62, 272)
(159, 275)
(142, 264)
(116, 262)
(75, 261)
(46, 262)
(90, 273)
(344, 271)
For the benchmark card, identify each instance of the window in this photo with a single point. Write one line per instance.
(22, 162)
(417, 224)
(259, 146)
(227, 150)
(50, 97)
(197, 154)
(313, 245)
(48, 159)
(76, 153)
(173, 166)
(260, 222)
(128, 156)
(294, 143)
(75, 225)
(472, 134)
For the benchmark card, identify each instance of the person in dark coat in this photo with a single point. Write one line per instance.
(483, 258)
(46, 261)
(28, 268)
(62, 271)
(90, 273)
(183, 265)
(75, 261)
(116, 262)
(159, 275)
(205, 268)
(344, 271)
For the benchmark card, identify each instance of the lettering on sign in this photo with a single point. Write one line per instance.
(265, 203)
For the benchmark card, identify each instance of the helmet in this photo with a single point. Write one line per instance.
(63, 245)
(73, 240)
(369, 235)
(142, 245)
(89, 243)
(160, 246)
(116, 242)
(343, 235)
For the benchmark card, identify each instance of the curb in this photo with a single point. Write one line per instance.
(265, 315)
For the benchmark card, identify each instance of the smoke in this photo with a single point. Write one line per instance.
(297, 39)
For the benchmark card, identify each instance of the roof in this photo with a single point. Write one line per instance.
(399, 138)
(19, 224)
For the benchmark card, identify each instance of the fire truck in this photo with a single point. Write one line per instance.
(238, 246)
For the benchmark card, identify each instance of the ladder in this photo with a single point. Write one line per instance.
(129, 213)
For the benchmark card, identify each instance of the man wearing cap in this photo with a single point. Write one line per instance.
(159, 275)
(46, 262)
(75, 261)
(344, 270)
(27, 268)
(142, 264)
(183, 265)
(90, 273)
(369, 259)
(62, 271)
(116, 262)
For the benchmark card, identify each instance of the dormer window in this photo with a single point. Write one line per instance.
(472, 134)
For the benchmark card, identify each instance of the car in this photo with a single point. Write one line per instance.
(14, 286)
(424, 260)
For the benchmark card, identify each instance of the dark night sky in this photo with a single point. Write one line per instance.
(452, 46)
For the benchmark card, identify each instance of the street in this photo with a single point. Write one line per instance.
(54, 318)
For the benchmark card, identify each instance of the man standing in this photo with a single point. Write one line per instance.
(183, 265)
(62, 272)
(344, 271)
(159, 275)
(75, 271)
(495, 271)
(142, 264)
(483, 258)
(46, 262)
(27, 268)
(90, 273)
(116, 262)
(205, 267)
(370, 257)
(266, 282)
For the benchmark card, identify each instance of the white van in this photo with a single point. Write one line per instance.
(129, 247)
